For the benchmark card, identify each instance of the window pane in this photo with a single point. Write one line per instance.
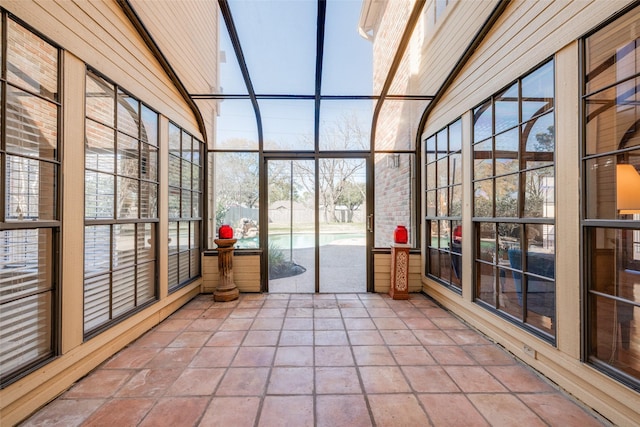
(345, 125)
(32, 63)
(236, 126)
(25, 267)
(127, 156)
(149, 128)
(100, 100)
(539, 137)
(507, 148)
(486, 249)
(237, 195)
(507, 196)
(145, 289)
(455, 204)
(538, 92)
(539, 192)
(455, 169)
(128, 115)
(148, 200)
(483, 198)
(96, 301)
(393, 198)
(97, 247)
(123, 292)
(483, 159)
(175, 135)
(99, 147)
(32, 125)
(26, 331)
(124, 245)
(431, 203)
(127, 198)
(30, 189)
(148, 162)
(506, 106)
(482, 122)
(174, 171)
(146, 235)
(443, 172)
(485, 283)
(174, 202)
(288, 124)
(99, 197)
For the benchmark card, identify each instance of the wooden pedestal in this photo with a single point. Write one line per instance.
(227, 289)
(399, 271)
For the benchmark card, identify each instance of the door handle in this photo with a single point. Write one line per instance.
(370, 223)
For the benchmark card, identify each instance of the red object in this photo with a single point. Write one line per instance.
(400, 234)
(225, 232)
(457, 234)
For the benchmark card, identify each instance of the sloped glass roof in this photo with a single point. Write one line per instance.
(294, 72)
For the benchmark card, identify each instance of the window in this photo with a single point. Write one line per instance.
(611, 165)
(443, 154)
(121, 195)
(513, 192)
(185, 195)
(29, 222)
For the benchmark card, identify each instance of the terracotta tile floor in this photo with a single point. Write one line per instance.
(312, 360)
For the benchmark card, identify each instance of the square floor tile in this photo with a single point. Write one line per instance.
(383, 379)
(291, 380)
(254, 356)
(378, 355)
(337, 380)
(223, 411)
(287, 411)
(397, 410)
(243, 382)
(294, 356)
(174, 411)
(342, 410)
(333, 356)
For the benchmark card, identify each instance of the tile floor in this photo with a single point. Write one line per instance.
(312, 360)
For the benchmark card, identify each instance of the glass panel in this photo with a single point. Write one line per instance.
(186, 204)
(343, 229)
(393, 196)
(25, 267)
(442, 205)
(507, 148)
(538, 92)
(443, 172)
(291, 239)
(127, 156)
(186, 174)
(26, 331)
(145, 289)
(431, 203)
(175, 145)
(486, 250)
(96, 301)
(174, 202)
(237, 195)
(184, 260)
(455, 169)
(123, 293)
(100, 100)
(600, 199)
(99, 195)
(614, 333)
(149, 162)
(455, 136)
(445, 266)
(30, 189)
(236, 127)
(345, 125)
(174, 171)
(506, 107)
(430, 149)
(612, 53)
(431, 176)
(435, 234)
(183, 236)
(612, 117)
(97, 247)
(173, 270)
(510, 293)
(442, 143)
(483, 159)
(434, 262)
(173, 237)
(149, 129)
(539, 191)
(289, 124)
(508, 244)
(31, 62)
(482, 122)
(128, 192)
(187, 147)
(485, 283)
(146, 242)
(455, 204)
(507, 196)
(398, 124)
(32, 125)
(271, 54)
(343, 44)
(541, 303)
(99, 147)
(128, 114)
(539, 135)
(124, 245)
(483, 198)
(445, 234)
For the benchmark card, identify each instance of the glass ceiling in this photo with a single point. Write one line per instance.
(298, 75)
